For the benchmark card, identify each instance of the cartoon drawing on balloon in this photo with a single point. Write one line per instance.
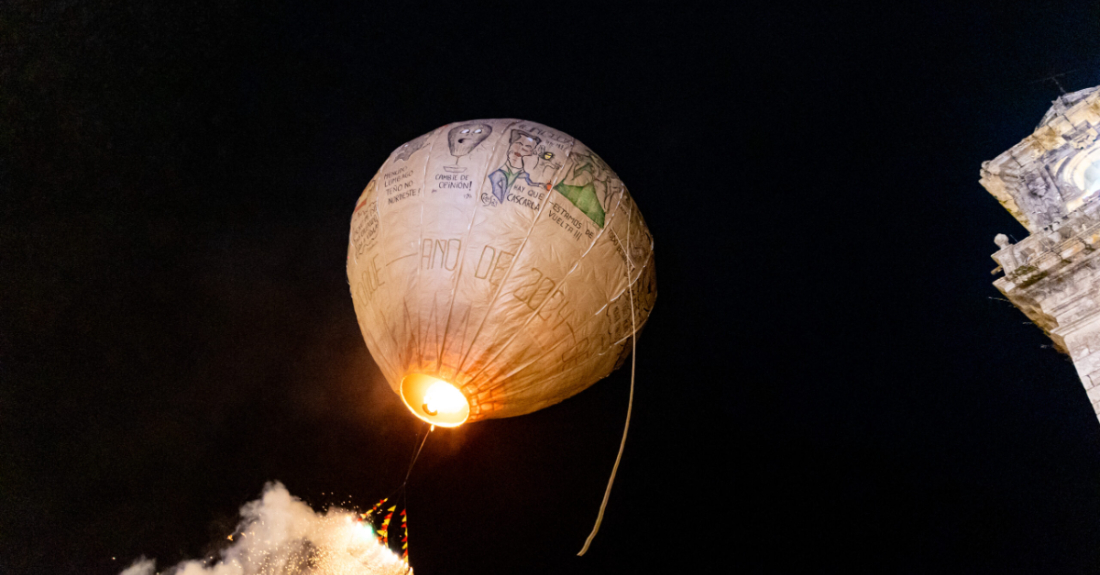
(409, 148)
(463, 138)
(549, 162)
(519, 163)
(587, 184)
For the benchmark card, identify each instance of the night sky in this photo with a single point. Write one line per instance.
(827, 384)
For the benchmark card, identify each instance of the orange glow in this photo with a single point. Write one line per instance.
(434, 400)
(442, 397)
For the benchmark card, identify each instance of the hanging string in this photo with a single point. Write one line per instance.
(383, 531)
(413, 462)
(405, 499)
(400, 488)
(405, 536)
(629, 405)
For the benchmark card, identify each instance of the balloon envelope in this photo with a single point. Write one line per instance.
(493, 266)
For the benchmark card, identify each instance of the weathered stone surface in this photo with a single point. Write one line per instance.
(1040, 180)
(1050, 182)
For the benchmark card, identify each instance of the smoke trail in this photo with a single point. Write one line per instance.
(280, 535)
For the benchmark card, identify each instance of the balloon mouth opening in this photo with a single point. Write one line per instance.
(435, 401)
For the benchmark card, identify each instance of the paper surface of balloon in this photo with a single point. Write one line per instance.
(492, 265)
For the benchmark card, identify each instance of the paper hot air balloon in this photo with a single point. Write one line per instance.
(497, 267)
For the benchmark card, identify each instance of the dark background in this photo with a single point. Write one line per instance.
(826, 384)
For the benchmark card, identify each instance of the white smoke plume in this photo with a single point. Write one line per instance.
(280, 535)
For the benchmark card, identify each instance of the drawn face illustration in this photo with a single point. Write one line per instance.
(409, 148)
(523, 144)
(463, 138)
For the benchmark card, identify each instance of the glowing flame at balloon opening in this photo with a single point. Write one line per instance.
(434, 400)
(443, 397)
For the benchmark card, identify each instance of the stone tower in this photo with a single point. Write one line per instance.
(1050, 182)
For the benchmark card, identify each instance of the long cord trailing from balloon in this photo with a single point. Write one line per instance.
(379, 508)
(405, 496)
(417, 455)
(630, 402)
(400, 488)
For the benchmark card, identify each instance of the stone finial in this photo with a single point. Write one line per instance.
(1007, 257)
